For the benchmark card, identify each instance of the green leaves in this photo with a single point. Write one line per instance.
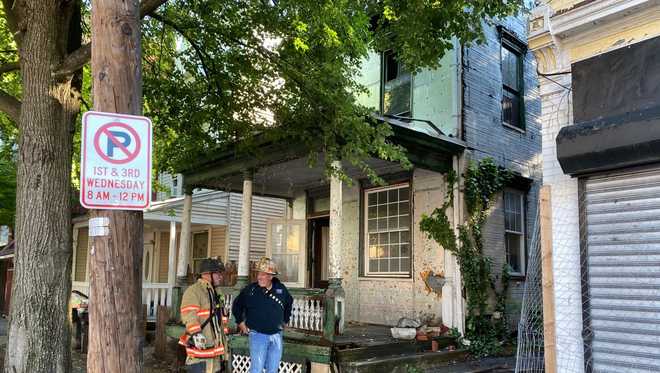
(7, 189)
(217, 72)
(482, 181)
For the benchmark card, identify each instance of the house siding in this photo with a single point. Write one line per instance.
(218, 241)
(486, 136)
(263, 209)
(80, 269)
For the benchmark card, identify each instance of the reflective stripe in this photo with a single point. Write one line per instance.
(183, 341)
(203, 313)
(189, 309)
(194, 328)
(211, 352)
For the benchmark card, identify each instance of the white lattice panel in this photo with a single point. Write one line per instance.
(241, 364)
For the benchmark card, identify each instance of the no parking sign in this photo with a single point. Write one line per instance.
(115, 161)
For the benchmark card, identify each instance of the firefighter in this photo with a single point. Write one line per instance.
(206, 320)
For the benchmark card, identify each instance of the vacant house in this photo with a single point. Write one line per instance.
(355, 253)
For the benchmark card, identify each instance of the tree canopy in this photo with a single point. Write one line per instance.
(218, 71)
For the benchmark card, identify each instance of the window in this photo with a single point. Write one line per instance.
(387, 231)
(512, 85)
(200, 249)
(396, 87)
(514, 231)
(287, 248)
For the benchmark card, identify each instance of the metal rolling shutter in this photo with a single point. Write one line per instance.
(623, 264)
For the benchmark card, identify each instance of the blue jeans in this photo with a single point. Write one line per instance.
(265, 352)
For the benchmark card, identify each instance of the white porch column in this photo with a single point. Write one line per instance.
(335, 232)
(171, 260)
(184, 244)
(453, 307)
(335, 294)
(246, 227)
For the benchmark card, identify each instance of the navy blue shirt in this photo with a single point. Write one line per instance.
(264, 311)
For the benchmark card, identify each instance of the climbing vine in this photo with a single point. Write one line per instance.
(484, 333)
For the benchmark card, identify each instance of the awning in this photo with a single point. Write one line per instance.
(612, 143)
(616, 111)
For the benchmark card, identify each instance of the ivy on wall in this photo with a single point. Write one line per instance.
(484, 333)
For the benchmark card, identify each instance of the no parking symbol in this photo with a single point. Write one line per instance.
(115, 161)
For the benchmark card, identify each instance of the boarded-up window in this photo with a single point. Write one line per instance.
(81, 256)
(218, 241)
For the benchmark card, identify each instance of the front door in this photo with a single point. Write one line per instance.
(320, 228)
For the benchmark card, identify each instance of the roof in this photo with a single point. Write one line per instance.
(7, 252)
(426, 147)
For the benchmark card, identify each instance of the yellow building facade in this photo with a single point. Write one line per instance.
(604, 301)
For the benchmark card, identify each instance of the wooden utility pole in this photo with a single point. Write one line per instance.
(547, 280)
(115, 332)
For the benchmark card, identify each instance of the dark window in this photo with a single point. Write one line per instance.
(512, 85)
(396, 86)
(514, 230)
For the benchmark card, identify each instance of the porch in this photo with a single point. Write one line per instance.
(347, 251)
(153, 295)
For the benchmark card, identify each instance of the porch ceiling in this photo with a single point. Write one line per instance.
(282, 168)
(283, 179)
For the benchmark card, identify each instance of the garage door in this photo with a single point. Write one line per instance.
(623, 263)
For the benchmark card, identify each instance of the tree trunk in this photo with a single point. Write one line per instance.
(116, 332)
(39, 331)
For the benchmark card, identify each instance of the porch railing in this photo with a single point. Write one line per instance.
(309, 314)
(153, 295)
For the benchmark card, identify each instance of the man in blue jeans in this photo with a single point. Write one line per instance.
(261, 310)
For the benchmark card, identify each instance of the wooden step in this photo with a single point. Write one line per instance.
(346, 354)
(403, 363)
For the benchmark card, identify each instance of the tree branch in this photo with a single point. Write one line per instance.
(12, 21)
(149, 6)
(10, 66)
(10, 106)
(78, 58)
(198, 50)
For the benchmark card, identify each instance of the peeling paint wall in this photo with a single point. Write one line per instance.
(385, 300)
(433, 92)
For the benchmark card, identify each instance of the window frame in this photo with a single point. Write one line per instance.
(383, 64)
(192, 247)
(302, 259)
(365, 231)
(522, 233)
(517, 48)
